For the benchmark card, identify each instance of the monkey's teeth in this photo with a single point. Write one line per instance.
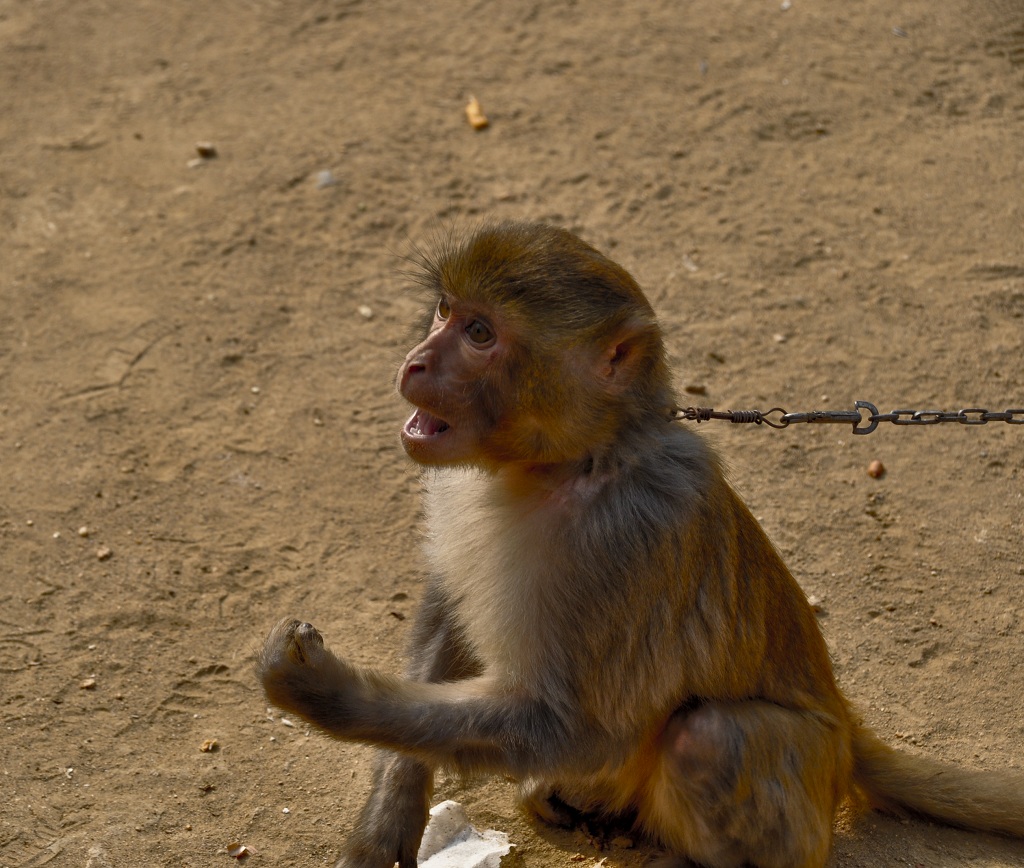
(423, 424)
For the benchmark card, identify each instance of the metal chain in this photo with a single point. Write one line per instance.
(862, 424)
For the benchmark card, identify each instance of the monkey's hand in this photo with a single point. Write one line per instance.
(301, 676)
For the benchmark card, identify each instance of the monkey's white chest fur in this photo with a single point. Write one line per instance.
(495, 560)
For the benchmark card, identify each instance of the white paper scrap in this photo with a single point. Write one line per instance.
(449, 841)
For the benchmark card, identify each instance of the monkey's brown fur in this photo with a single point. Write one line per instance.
(605, 620)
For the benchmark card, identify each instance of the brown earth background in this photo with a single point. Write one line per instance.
(825, 203)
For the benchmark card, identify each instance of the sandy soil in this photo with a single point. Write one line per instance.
(198, 425)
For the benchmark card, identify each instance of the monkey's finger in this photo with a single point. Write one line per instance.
(279, 640)
(304, 642)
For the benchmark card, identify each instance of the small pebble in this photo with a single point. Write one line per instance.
(83, 531)
(365, 311)
(475, 114)
(206, 150)
(876, 469)
(103, 553)
(88, 684)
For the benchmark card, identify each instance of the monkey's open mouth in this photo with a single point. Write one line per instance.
(424, 424)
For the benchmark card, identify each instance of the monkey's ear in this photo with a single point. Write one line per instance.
(622, 357)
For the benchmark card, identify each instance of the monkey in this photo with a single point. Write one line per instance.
(604, 619)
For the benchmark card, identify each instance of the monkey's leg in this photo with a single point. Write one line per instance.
(749, 783)
(391, 823)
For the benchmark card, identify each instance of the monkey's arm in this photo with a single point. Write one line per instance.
(469, 724)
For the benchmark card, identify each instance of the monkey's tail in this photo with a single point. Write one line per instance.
(902, 783)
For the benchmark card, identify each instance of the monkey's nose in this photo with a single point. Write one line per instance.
(415, 363)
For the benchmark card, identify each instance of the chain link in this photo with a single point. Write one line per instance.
(862, 424)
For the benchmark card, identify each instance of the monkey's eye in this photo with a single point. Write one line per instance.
(444, 310)
(479, 333)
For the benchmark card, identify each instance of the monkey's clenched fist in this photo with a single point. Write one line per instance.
(299, 674)
(296, 641)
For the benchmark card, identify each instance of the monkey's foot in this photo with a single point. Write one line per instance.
(542, 802)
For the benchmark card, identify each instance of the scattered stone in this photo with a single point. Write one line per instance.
(87, 684)
(83, 531)
(104, 553)
(876, 470)
(206, 150)
(209, 745)
(365, 311)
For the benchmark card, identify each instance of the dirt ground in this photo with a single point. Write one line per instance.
(198, 428)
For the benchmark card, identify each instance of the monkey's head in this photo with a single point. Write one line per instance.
(540, 350)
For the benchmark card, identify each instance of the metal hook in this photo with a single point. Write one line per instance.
(872, 419)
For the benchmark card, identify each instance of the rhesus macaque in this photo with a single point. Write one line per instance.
(605, 620)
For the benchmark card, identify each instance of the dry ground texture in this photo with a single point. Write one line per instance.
(824, 201)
